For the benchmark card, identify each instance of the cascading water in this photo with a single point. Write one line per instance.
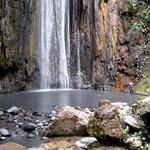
(54, 49)
(79, 74)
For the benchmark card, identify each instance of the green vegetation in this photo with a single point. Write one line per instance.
(144, 85)
(141, 23)
(143, 26)
(133, 7)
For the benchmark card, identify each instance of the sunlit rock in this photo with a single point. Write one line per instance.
(13, 110)
(4, 132)
(86, 142)
(69, 121)
(11, 146)
(128, 118)
(142, 108)
(134, 143)
(105, 125)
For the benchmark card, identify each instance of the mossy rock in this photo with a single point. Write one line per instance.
(2, 61)
(12, 43)
(126, 24)
(144, 84)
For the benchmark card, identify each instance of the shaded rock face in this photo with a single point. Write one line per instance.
(17, 44)
(82, 39)
(97, 32)
(105, 125)
(69, 121)
(103, 53)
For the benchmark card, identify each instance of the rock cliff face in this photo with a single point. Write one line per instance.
(103, 45)
(17, 44)
(99, 29)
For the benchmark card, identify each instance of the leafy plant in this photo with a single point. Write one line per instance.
(143, 26)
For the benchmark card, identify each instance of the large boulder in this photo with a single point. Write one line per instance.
(105, 124)
(142, 108)
(69, 121)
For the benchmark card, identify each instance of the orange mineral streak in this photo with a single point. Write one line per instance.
(123, 83)
(114, 24)
(104, 14)
(109, 19)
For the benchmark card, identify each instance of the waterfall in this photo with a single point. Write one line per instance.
(54, 47)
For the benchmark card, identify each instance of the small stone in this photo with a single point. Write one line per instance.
(35, 113)
(20, 124)
(27, 118)
(4, 132)
(30, 136)
(29, 127)
(40, 124)
(88, 140)
(53, 112)
(1, 113)
(2, 138)
(13, 110)
(85, 142)
(45, 123)
(37, 121)
(81, 145)
(2, 118)
(44, 138)
(53, 118)
(143, 138)
(15, 121)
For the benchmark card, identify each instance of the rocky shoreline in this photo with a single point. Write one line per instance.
(115, 124)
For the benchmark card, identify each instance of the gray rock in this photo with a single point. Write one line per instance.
(29, 127)
(45, 123)
(30, 136)
(45, 139)
(3, 138)
(132, 121)
(1, 112)
(53, 118)
(40, 124)
(20, 124)
(134, 142)
(4, 132)
(13, 110)
(85, 142)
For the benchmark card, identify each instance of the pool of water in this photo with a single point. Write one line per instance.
(44, 100)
